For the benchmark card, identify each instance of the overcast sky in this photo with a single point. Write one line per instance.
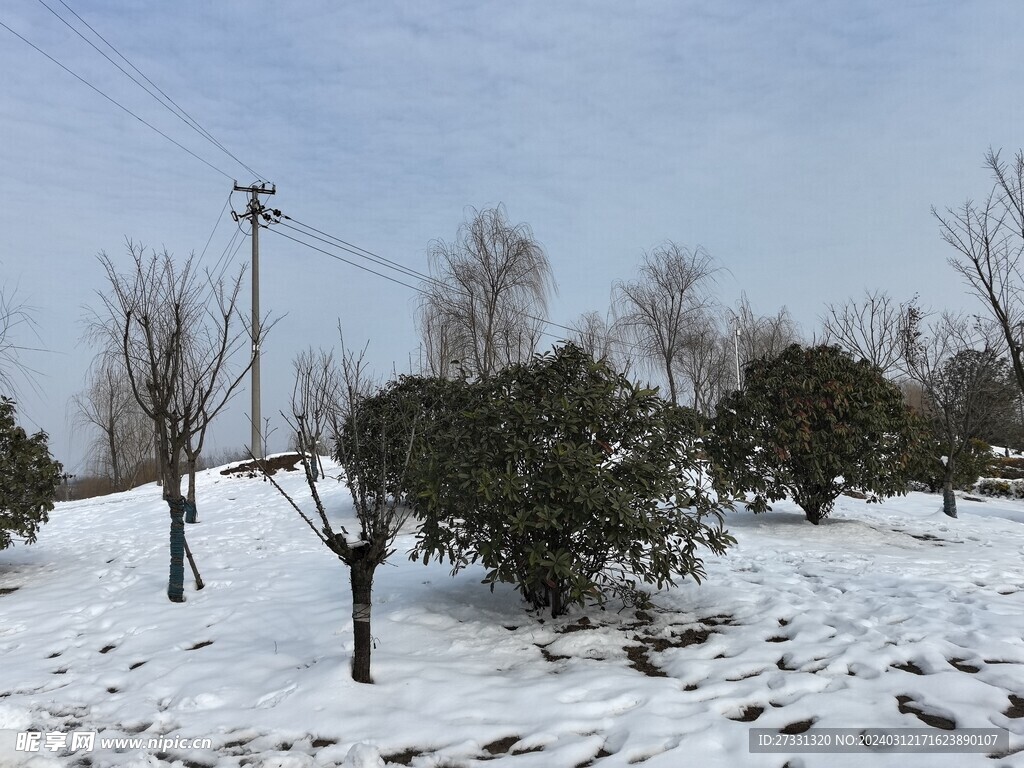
(801, 143)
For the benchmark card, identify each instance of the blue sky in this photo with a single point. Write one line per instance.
(801, 143)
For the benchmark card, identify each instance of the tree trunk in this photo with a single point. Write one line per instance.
(314, 458)
(191, 514)
(671, 380)
(362, 589)
(948, 496)
(557, 609)
(176, 582)
(813, 515)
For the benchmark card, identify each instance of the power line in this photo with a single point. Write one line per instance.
(355, 250)
(346, 261)
(382, 262)
(167, 102)
(216, 224)
(116, 103)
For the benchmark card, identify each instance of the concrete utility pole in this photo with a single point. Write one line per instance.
(255, 211)
(736, 343)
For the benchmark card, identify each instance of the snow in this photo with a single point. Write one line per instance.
(802, 622)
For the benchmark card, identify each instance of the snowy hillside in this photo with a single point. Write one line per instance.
(885, 615)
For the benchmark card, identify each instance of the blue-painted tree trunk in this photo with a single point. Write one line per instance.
(176, 582)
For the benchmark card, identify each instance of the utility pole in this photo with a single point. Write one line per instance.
(736, 344)
(254, 212)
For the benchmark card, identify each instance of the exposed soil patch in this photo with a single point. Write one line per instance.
(8, 590)
(906, 706)
(798, 727)
(54, 655)
(319, 743)
(718, 620)
(1016, 707)
(909, 666)
(783, 622)
(963, 666)
(681, 640)
(777, 639)
(638, 660)
(548, 656)
(107, 648)
(402, 758)
(745, 677)
(287, 461)
(580, 626)
(781, 664)
(197, 646)
(136, 665)
(112, 690)
(749, 714)
(501, 747)
(601, 753)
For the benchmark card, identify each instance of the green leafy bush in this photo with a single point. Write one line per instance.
(29, 478)
(564, 478)
(384, 440)
(811, 424)
(992, 486)
(974, 461)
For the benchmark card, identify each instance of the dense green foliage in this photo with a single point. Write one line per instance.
(386, 437)
(29, 478)
(564, 478)
(975, 460)
(812, 423)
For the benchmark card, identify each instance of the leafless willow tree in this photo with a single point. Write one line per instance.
(989, 239)
(763, 336)
(719, 344)
(657, 311)
(124, 434)
(595, 335)
(957, 363)
(870, 329)
(14, 317)
(176, 335)
(315, 400)
(704, 363)
(485, 304)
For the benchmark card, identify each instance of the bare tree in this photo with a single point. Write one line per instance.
(763, 336)
(14, 316)
(595, 335)
(657, 311)
(705, 362)
(989, 239)
(956, 363)
(870, 329)
(124, 440)
(315, 397)
(176, 336)
(379, 514)
(485, 303)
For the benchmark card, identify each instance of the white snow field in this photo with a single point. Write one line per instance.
(883, 615)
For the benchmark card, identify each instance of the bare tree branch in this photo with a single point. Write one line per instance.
(484, 305)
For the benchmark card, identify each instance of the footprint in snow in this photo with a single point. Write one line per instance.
(274, 698)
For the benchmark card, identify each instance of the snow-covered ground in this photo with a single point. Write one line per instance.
(881, 612)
